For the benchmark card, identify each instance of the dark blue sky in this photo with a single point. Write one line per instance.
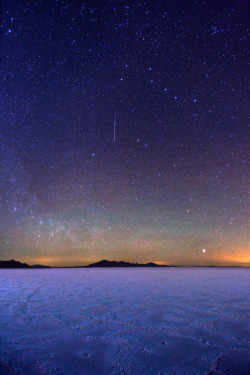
(175, 181)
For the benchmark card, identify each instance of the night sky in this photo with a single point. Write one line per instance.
(172, 187)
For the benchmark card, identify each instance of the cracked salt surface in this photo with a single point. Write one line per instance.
(125, 321)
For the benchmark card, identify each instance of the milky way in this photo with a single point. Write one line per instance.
(174, 182)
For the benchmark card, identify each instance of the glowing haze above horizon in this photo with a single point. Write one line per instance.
(172, 186)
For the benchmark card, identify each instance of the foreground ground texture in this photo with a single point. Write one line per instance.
(124, 321)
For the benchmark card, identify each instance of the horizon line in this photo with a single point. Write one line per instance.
(132, 264)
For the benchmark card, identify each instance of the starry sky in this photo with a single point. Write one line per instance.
(172, 187)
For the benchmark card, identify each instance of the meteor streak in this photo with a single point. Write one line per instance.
(114, 126)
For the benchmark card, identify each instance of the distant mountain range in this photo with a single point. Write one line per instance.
(103, 263)
(15, 264)
(107, 263)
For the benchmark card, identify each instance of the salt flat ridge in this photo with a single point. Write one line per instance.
(125, 321)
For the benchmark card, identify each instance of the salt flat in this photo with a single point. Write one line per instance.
(125, 321)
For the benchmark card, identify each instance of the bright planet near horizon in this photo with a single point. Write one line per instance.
(124, 132)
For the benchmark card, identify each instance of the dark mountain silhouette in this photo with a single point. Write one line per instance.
(15, 264)
(103, 263)
(107, 263)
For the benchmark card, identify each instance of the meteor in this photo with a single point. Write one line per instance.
(114, 126)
